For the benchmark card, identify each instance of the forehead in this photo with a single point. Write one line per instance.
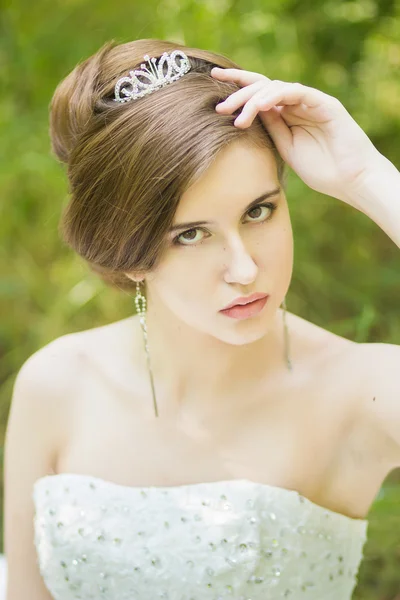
(240, 172)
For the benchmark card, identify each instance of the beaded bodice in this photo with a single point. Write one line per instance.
(206, 541)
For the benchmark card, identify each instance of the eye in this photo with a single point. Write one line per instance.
(269, 205)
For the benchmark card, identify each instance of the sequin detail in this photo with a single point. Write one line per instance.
(210, 541)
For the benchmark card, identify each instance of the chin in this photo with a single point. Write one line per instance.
(252, 333)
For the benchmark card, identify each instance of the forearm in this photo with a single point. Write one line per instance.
(378, 196)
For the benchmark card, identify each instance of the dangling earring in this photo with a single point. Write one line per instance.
(140, 302)
(286, 336)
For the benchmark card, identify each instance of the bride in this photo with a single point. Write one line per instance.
(213, 444)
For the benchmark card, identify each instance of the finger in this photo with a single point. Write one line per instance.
(279, 131)
(297, 93)
(240, 76)
(283, 93)
(262, 100)
(243, 95)
(237, 99)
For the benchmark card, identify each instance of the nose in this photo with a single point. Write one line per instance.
(241, 267)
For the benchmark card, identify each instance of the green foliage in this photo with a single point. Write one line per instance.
(350, 50)
(379, 572)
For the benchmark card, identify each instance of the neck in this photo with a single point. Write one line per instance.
(193, 370)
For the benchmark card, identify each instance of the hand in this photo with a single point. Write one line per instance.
(313, 132)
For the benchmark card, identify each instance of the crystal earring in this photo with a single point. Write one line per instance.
(140, 302)
(286, 337)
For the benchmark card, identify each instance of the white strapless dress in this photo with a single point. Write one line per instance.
(234, 539)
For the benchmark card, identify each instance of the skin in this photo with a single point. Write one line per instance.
(199, 353)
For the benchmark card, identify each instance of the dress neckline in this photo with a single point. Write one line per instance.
(46, 478)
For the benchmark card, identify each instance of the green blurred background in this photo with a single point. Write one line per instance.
(346, 271)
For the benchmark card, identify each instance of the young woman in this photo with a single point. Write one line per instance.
(193, 451)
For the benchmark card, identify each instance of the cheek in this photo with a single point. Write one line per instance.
(186, 265)
(182, 277)
(282, 256)
(274, 244)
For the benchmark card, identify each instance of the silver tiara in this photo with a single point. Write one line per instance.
(156, 77)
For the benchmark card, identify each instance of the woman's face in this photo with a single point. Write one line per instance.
(239, 250)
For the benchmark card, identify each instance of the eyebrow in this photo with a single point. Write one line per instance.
(179, 226)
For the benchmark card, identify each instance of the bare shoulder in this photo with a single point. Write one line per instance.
(94, 340)
(327, 362)
(50, 378)
(369, 367)
(70, 354)
(38, 426)
(53, 366)
(315, 341)
(46, 381)
(364, 376)
(108, 353)
(378, 369)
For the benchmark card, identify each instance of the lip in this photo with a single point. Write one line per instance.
(245, 300)
(246, 311)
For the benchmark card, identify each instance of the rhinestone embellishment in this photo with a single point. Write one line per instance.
(154, 77)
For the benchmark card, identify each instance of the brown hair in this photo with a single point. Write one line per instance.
(129, 163)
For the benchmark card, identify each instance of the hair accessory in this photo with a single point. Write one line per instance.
(155, 77)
